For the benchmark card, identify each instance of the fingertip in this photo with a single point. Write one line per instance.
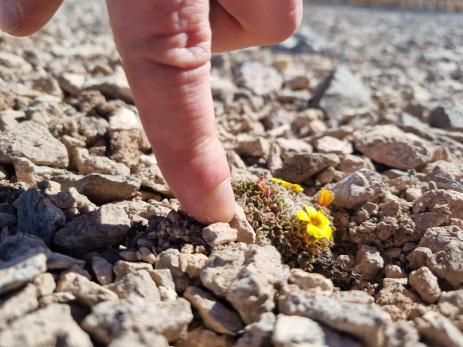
(220, 205)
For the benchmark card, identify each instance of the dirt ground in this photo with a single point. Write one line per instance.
(96, 251)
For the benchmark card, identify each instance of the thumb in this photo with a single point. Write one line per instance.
(165, 48)
(23, 17)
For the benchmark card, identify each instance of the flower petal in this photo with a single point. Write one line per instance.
(301, 215)
(323, 220)
(315, 231)
(311, 211)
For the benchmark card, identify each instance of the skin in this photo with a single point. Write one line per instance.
(166, 46)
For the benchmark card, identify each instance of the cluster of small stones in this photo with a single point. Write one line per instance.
(95, 250)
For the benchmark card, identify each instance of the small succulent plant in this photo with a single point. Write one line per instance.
(297, 225)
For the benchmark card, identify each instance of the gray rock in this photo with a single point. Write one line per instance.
(38, 216)
(86, 292)
(346, 95)
(31, 174)
(103, 270)
(58, 261)
(214, 314)
(247, 276)
(310, 281)
(49, 326)
(102, 189)
(7, 219)
(358, 188)
(449, 115)
(368, 262)
(139, 339)
(122, 268)
(32, 141)
(109, 320)
(17, 272)
(258, 78)
(137, 283)
(88, 164)
(330, 144)
(295, 331)
(258, 334)
(446, 245)
(201, 337)
(219, 233)
(425, 284)
(114, 86)
(239, 222)
(389, 145)
(365, 322)
(296, 164)
(402, 334)
(17, 304)
(45, 284)
(439, 330)
(104, 227)
(451, 304)
(252, 146)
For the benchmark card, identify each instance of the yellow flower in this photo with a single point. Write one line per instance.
(325, 197)
(318, 225)
(291, 186)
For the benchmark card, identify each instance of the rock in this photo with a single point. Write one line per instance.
(127, 146)
(86, 292)
(351, 163)
(394, 271)
(103, 270)
(14, 61)
(31, 174)
(45, 284)
(192, 264)
(17, 304)
(170, 259)
(71, 83)
(139, 339)
(310, 281)
(439, 330)
(88, 164)
(357, 188)
(345, 95)
(201, 337)
(214, 314)
(258, 78)
(122, 268)
(7, 219)
(402, 334)
(137, 283)
(368, 262)
(37, 329)
(151, 178)
(388, 145)
(104, 227)
(451, 305)
(109, 320)
(38, 216)
(247, 276)
(446, 245)
(439, 204)
(365, 322)
(296, 164)
(294, 331)
(102, 189)
(124, 118)
(17, 272)
(115, 86)
(163, 278)
(219, 233)
(58, 261)
(32, 141)
(329, 144)
(252, 146)
(426, 285)
(449, 115)
(258, 334)
(239, 222)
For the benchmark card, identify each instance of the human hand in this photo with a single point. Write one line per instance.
(166, 47)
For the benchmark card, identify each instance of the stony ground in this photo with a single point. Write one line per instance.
(94, 250)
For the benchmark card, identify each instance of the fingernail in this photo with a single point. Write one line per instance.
(221, 205)
(10, 15)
